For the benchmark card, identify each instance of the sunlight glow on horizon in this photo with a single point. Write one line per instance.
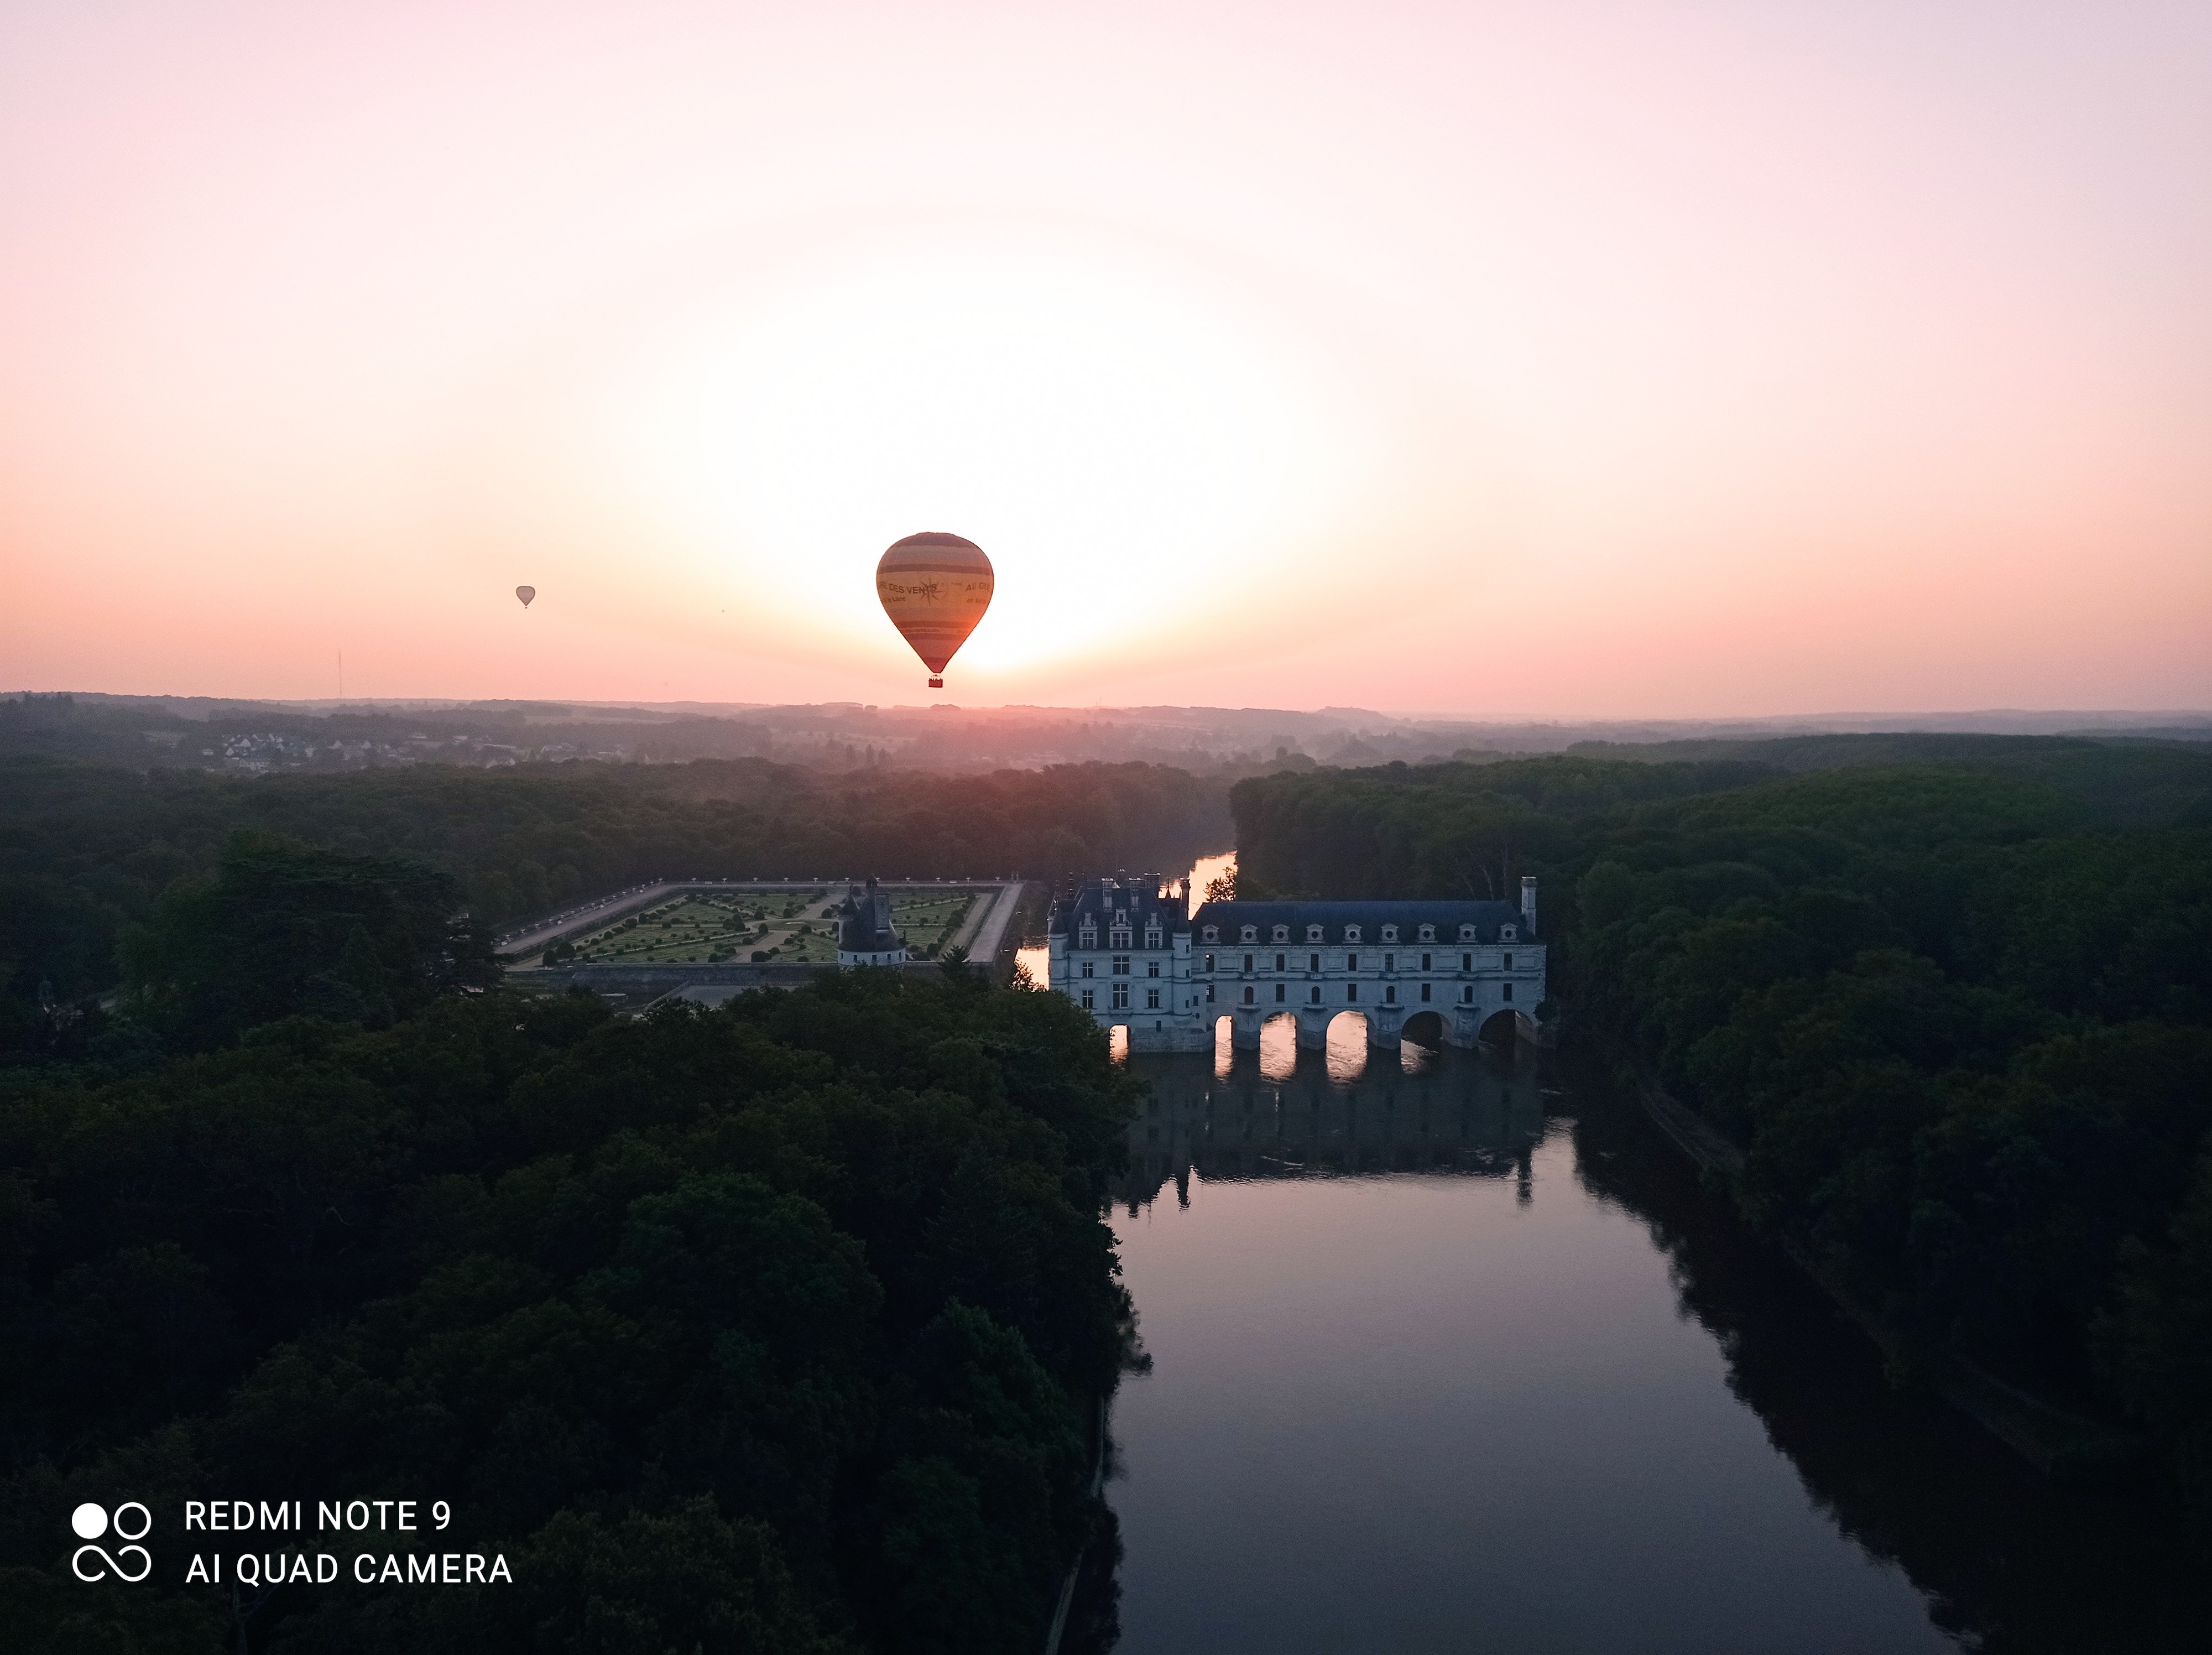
(1102, 430)
(1605, 360)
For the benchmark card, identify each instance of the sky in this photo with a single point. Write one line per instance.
(1570, 360)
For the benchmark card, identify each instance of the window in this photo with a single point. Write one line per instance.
(1209, 962)
(1506, 963)
(1467, 933)
(1352, 934)
(1213, 934)
(1389, 962)
(1249, 933)
(1508, 993)
(1352, 962)
(1209, 994)
(1152, 938)
(1151, 968)
(1151, 1000)
(1316, 994)
(1248, 993)
(1088, 936)
(1278, 962)
(1466, 995)
(1466, 961)
(1313, 933)
(1428, 934)
(1120, 996)
(1282, 933)
(1090, 1000)
(1505, 933)
(1425, 963)
(1118, 937)
(1121, 966)
(1390, 933)
(1351, 992)
(1390, 994)
(1425, 991)
(1089, 968)
(1280, 995)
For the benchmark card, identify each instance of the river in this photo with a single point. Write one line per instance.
(1450, 1351)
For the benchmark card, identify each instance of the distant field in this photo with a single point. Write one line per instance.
(795, 925)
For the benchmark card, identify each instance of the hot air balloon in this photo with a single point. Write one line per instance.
(935, 588)
(526, 593)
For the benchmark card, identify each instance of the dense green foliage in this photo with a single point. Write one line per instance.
(777, 1328)
(1958, 1014)
(86, 850)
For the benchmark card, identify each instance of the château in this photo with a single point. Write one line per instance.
(1131, 955)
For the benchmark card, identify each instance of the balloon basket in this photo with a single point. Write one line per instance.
(936, 683)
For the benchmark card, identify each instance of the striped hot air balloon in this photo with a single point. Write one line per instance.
(934, 587)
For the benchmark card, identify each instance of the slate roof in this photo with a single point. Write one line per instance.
(866, 928)
(1370, 917)
(1098, 900)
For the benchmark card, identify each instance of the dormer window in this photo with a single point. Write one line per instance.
(1428, 934)
(1505, 933)
(1390, 933)
(1250, 934)
(1121, 916)
(1313, 933)
(1213, 933)
(1352, 934)
(1089, 936)
(1282, 933)
(1119, 937)
(1152, 937)
(1467, 933)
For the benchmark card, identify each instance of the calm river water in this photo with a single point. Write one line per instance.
(1450, 1352)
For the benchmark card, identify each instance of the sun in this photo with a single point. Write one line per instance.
(1125, 441)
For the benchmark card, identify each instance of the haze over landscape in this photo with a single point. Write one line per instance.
(1634, 360)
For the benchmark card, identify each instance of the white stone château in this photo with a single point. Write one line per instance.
(865, 936)
(1135, 959)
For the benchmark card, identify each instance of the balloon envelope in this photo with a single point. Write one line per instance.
(934, 587)
(526, 593)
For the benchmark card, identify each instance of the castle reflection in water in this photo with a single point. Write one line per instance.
(1280, 1113)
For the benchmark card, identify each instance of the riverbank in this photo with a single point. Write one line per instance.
(2056, 1440)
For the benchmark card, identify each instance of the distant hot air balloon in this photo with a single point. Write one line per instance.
(526, 593)
(935, 588)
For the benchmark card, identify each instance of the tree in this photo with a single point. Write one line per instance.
(286, 927)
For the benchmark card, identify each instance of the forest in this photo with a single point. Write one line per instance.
(1951, 996)
(781, 1328)
(87, 850)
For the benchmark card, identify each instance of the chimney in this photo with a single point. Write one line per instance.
(1528, 901)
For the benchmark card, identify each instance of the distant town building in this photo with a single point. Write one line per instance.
(1134, 957)
(864, 933)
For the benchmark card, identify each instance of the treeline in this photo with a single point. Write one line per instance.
(86, 849)
(778, 1329)
(149, 732)
(1958, 1016)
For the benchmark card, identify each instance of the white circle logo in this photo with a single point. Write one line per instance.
(90, 1521)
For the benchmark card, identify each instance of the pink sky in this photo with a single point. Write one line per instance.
(1625, 359)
